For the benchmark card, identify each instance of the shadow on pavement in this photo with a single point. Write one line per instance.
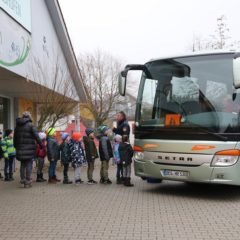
(195, 190)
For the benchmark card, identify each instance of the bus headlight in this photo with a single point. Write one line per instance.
(139, 155)
(225, 158)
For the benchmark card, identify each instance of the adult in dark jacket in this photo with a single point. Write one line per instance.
(123, 127)
(25, 137)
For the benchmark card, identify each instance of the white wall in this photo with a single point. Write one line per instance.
(43, 41)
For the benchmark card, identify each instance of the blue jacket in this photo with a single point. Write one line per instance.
(53, 152)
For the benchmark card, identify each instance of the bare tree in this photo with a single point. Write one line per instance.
(53, 92)
(219, 40)
(221, 35)
(99, 72)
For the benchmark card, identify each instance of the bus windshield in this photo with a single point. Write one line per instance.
(190, 93)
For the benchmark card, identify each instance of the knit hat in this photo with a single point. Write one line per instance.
(103, 128)
(8, 132)
(89, 131)
(64, 135)
(118, 138)
(26, 115)
(51, 131)
(76, 136)
(42, 135)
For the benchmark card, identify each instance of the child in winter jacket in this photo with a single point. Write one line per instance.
(1, 153)
(91, 153)
(126, 154)
(77, 155)
(65, 156)
(117, 160)
(9, 154)
(41, 154)
(105, 152)
(53, 155)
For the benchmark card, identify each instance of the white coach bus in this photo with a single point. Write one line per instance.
(187, 125)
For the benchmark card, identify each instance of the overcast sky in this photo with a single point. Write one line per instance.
(138, 30)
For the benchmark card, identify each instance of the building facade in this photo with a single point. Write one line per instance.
(34, 48)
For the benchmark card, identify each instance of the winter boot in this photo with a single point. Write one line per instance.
(11, 177)
(66, 181)
(6, 179)
(51, 180)
(56, 179)
(43, 179)
(27, 184)
(122, 180)
(39, 178)
(119, 180)
(128, 183)
(1, 177)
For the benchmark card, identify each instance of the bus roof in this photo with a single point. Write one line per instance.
(199, 53)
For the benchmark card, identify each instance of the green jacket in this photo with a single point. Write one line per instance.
(90, 149)
(8, 148)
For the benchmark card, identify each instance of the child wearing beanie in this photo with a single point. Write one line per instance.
(41, 154)
(77, 155)
(65, 156)
(126, 155)
(9, 154)
(117, 160)
(53, 155)
(105, 152)
(91, 153)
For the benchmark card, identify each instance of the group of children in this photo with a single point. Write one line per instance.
(77, 151)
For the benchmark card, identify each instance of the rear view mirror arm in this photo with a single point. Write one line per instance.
(136, 67)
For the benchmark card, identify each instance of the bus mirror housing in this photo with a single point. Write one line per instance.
(236, 71)
(122, 82)
(122, 79)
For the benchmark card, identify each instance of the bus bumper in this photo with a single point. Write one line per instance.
(202, 174)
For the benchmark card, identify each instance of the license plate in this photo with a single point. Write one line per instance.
(174, 173)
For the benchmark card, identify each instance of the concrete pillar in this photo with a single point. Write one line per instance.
(77, 118)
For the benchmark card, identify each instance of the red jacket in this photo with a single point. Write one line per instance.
(41, 153)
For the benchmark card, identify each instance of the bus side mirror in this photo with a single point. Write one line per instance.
(122, 82)
(122, 79)
(236, 71)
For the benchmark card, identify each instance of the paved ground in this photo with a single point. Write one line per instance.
(148, 211)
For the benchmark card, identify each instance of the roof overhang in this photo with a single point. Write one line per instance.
(66, 45)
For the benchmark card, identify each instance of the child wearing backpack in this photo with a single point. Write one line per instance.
(65, 156)
(53, 154)
(105, 152)
(126, 154)
(41, 154)
(77, 155)
(117, 160)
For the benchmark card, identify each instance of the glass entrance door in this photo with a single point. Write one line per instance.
(4, 113)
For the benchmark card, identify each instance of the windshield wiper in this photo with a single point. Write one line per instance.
(199, 127)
